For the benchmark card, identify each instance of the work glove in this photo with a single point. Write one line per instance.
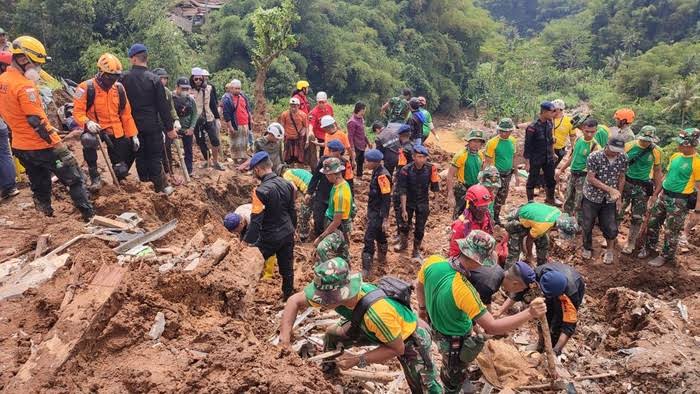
(177, 125)
(93, 127)
(65, 156)
(137, 144)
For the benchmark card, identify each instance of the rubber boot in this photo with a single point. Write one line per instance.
(382, 249)
(402, 244)
(95, 179)
(415, 255)
(550, 198)
(43, 207)
(269, 267)
(632, 239)
(530, 194)
(366, 265)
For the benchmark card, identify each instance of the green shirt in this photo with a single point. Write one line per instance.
(683, 172)
(428, 121)
(299, 177)
(582, 149)
(642, 168)
(340, 202)
(451, 301)
(502, 152)
(601, 136)
(538, 217)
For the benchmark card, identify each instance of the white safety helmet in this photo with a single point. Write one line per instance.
(276, 130)
(197, 72)
(321, 96)
(294, 101)
(559, 104)
(205, 73)
(326, 121)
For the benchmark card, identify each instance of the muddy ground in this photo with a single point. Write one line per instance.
(219, 317)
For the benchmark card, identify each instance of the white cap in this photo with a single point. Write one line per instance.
(559, 104)
(294, 100)
(236, 83)
(197, 72)
(326, 121)
(205, 72)
(321, 96)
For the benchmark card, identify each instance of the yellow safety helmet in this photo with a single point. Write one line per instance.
(302, 85)
(31, 48)
(110, 64)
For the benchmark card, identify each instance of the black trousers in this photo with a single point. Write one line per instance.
(319, 208)
(421, 212)
(360, 161)
(605, 213)
(560, 153)
(120, 151)
(202, 130)
(373, 233)
(149, 158)
(535, 178)
(555, 314)
(284, 251)
(40, 164)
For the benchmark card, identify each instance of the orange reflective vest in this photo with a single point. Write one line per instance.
(104, 110)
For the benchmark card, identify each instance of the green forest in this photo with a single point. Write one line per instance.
(497, 57)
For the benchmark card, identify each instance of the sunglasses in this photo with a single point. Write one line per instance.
(198, 79)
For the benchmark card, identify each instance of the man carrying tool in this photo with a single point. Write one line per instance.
(386, 322)
(535, 220)
(464, 170)
(413, 182)
(644, 159)
(563, 289)
(378, 203)
(334, 241)
(273, 219)
(676, 197)
(35, 142)
(300, 179)
(500, 151)
(319, 187)
(576, 161)
(450, 303)
(151, 112)
(186, 110)
(102, 110)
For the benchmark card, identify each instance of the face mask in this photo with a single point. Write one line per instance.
(105, 81)
(33, 74)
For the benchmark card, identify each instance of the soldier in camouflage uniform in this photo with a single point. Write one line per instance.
(644, 158)
(490, 178)
(676, 197)
(464, 171)
(500, 151)
(335, 239)
(388, 324)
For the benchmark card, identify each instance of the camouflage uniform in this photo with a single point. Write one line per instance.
(454, 376)
(333, 245)
(574, 196)
(516, 234)
(502, 194)
(634, 195)
(460, 190)
(416, 361)
(304, 223)
(671, 213)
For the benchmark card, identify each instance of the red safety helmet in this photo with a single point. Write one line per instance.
(479, 195)
(6, 58)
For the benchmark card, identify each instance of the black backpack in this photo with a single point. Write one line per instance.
(388, 287)
(91, 96)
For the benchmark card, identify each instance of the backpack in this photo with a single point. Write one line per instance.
(397, 109)
(91, 96)
(388, 287)
(183, 106)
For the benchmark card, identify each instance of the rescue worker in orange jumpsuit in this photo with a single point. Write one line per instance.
(35, 141)
(102, 109)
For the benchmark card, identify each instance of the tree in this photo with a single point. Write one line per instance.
(683, 98)
(273, 36)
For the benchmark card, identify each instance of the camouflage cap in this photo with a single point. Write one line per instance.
(475, 135)
(332, 165)
(333, 283)
(506, 124)
(478, 246)
(578, 119)
(567, 226)
(490, 177)
(688, 137)
(647, 133)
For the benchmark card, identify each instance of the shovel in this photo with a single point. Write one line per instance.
(105, 156)
(181, 160)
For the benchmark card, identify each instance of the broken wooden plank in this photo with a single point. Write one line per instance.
(42, 243)
(275, 340)
(326, 355)
(98, 220)
(375, 376)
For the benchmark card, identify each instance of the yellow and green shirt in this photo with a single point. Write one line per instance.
(538, 217)
(340, 201)
(582, 149)
(468, 165)
(601, 136)
(299, 177)
(683, 172)
(502, 152)
(563, 129)
(643, 168)
(451, 301)
(386, 320)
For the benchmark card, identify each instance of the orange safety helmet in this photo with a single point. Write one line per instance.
(478, 195)
(6, 58)
(110, 64)
(625, 114)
